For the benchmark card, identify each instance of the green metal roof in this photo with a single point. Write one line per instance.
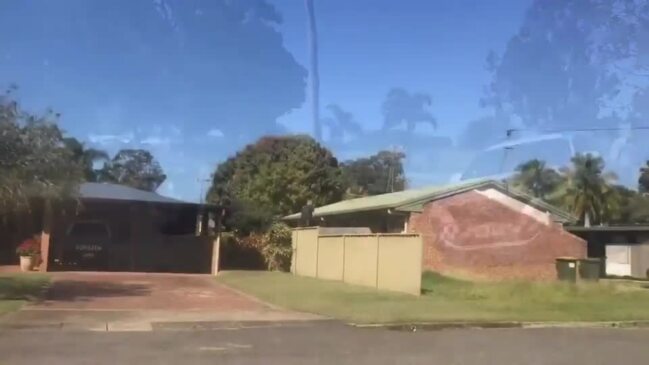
(414, 200)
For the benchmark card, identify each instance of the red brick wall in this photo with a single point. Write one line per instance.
(470, 234)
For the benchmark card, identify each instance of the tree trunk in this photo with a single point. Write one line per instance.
(313, 72)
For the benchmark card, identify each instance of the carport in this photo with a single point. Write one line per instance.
(143, 232)
(624, 249)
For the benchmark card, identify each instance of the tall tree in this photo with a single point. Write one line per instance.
(279, 175)
(33, 159)
(86, 157)
(588, 188)
(313, 70)
(401, 106)
(535, 177)
(378, 174)
(340, 123)
(136, 168)
(643, 180)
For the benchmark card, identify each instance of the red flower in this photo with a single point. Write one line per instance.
(29, 247)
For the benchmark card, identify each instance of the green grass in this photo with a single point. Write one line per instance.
(17, 289)
(448, 299)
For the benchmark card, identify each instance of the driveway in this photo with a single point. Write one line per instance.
(143, 291)
(105, 301)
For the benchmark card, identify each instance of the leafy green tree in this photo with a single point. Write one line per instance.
(33, 159)
(378, 174)
(637, 210)
(402, 106)
(643, 180)
(86, 157)
(279, 175)
(536, 178)
(136, 168)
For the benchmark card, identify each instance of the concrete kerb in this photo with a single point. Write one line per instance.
(436, 326)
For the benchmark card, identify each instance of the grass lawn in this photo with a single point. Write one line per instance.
(447, 299)
(16, 289)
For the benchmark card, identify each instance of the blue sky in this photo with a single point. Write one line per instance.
(117, 85)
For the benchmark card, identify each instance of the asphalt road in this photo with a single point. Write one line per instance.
(326, 343)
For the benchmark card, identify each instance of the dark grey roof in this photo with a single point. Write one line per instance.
(105, 191)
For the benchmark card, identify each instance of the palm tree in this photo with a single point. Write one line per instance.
(313, 72)
(401, 106)
(535, 177)
(588, 192)
(85, 157)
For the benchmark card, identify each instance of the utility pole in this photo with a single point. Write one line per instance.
(508, 135)
(202, 182)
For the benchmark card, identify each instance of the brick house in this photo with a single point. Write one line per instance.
(481, 228)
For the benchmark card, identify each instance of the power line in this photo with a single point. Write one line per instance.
(510, 131)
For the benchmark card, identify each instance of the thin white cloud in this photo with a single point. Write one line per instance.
(215, 133)
(107, 139)
(156, 141)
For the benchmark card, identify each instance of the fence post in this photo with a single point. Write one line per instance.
(295, 244)
(317, 253)
(378, 245)
(344, 248)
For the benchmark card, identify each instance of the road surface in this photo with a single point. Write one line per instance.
(303, 343)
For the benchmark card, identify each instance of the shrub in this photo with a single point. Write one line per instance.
(241, 253)
(254, 251)
(29, 247)
(277, 248)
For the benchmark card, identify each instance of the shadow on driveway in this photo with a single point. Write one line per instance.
(78, 290)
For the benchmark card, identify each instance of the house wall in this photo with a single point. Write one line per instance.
(486, 235)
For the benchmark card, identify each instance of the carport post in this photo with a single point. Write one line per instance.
(216, 243)
(45, 234)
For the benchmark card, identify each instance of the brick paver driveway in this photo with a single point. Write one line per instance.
(143, 291)
(142, 302)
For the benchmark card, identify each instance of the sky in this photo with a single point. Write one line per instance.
(120, 80)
